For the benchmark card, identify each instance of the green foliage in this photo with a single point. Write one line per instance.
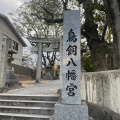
(38, 19)
(87, 63)
(28, 24)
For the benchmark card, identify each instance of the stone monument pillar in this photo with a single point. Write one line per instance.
(70, 106)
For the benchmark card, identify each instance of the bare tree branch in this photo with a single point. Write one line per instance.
(44, 60)
(64, 4)
(48, 12)
(80, 1)
(104, 31)
(49, 21)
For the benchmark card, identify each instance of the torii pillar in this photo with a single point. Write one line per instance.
(40, 49)
(39, 63)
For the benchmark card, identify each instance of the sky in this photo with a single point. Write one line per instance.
(7, 6)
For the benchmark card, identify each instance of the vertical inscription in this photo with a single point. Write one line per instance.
(71, 74)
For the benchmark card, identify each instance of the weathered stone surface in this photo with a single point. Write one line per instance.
(102, 88)
(3, 62)
(102, 113)
(39, 64)
(10, 74)
(70, 107)
(70, 112)
(71, 66)
(47, 76)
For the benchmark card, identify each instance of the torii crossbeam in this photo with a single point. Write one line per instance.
(40, 49)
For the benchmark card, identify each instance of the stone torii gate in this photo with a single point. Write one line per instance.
(40, 49)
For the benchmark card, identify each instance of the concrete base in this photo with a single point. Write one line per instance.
(70, 112)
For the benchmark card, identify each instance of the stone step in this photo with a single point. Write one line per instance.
(27, 110)
(48, 104)
(29, 97)
(15, 116)
(29, 107)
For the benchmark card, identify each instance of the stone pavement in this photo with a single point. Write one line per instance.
(46, 87)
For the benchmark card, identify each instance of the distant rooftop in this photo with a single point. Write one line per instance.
(6, 19)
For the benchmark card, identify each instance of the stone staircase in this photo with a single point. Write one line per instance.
(27, 107)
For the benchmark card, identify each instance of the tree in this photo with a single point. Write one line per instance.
(50, 12)
(29, 59)
(113, 16)
(94, 29)
(50, 58)
(30, 26)
(99, 47)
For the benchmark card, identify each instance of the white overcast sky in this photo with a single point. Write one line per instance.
(7, 6)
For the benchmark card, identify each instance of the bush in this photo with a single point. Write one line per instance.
(87, 63)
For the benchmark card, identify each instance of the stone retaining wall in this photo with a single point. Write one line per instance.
(23, 77)
(23, 73)
(102, 113)
(21, 70)
(102, 88)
